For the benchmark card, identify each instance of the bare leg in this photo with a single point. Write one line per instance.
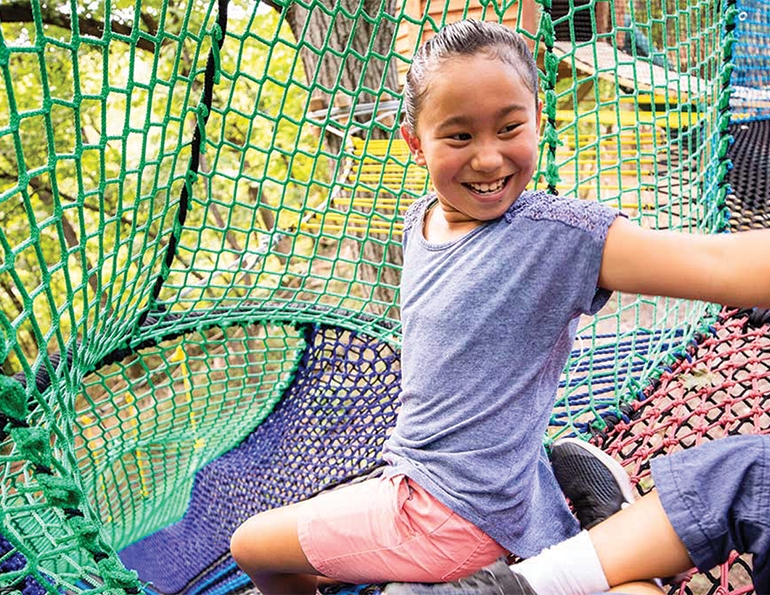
(266, 547)
(723, 483)
(642, 588)
(625, 558)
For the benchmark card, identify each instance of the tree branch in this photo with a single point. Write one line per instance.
(9, 293)
(273, 5)
(70, 235)
(20, 11)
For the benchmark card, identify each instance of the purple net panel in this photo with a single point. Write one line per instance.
(13, 563)
(329, 427)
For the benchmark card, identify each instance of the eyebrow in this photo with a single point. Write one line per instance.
(460, 120)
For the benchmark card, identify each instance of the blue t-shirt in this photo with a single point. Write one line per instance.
(488, 323)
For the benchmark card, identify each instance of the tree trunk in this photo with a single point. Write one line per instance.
(362, 47)
(366, 39)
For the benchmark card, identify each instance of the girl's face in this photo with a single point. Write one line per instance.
(477, 133)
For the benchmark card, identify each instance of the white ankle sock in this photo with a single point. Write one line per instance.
(570, 567)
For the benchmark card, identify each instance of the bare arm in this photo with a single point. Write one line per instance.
(729, 269)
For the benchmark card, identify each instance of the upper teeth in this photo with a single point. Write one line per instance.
(492, 187)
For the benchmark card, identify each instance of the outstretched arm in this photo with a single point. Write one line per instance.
(731, 269)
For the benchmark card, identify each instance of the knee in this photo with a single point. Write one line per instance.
(268, 543)
(257, 545)
(244, 545)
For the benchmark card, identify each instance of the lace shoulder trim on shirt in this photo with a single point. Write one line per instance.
(414, 213)
(589, 216)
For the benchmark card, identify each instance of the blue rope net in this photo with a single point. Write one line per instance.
(751, 78)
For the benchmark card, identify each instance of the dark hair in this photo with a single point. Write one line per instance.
(465, 38)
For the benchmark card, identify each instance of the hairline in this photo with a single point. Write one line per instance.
(514, 54)
(496, 51)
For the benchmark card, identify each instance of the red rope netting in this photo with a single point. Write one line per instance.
(721, 387)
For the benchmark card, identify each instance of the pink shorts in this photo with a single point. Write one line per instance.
(388, 529)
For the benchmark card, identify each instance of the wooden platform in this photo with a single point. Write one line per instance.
(635, 74)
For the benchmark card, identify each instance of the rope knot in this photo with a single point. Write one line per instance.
(116, 574)
(202, 114)
(216, 37)
(87, 534)
(13, 398)
(60, 491)
(190, 178)
(34, 444)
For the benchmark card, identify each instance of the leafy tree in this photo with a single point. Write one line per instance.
(93, 174)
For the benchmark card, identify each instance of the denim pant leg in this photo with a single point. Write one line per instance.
(717, 497)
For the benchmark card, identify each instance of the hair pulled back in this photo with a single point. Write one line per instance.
(465, 38)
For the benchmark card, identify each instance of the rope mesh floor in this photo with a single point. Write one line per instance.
(348, 384)
(721, 388)
(750, 177)
(328, 428)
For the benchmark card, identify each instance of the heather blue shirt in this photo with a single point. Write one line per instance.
(488, 323)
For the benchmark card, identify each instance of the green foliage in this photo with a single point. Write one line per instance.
(95, 164)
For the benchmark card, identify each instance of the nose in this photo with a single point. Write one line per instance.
(487, 157)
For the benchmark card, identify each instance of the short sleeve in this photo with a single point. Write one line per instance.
(577, 246)
(598, 219)
(414, 215)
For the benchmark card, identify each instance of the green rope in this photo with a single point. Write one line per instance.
(550, 133)
(725, 139)
(184, 190)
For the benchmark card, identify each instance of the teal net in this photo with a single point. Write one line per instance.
(201, 208)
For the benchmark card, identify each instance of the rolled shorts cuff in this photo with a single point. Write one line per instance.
(686, 512)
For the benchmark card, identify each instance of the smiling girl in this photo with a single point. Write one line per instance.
(495, 279)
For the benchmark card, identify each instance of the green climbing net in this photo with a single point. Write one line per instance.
(180, 179)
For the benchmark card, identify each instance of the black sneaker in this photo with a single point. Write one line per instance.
(495, 579)
(595, 483)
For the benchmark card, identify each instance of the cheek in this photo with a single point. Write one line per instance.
(528, 150)
(454, 160)
(440, 168)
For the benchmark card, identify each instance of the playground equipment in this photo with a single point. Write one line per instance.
(200, 233)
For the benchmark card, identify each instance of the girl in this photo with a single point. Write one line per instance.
(494, 280)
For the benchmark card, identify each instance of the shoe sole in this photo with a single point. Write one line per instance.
(618, 473)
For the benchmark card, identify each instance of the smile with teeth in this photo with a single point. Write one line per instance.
(487, 188)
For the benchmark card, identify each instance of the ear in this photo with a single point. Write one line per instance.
(539, 114)
(413, 142)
